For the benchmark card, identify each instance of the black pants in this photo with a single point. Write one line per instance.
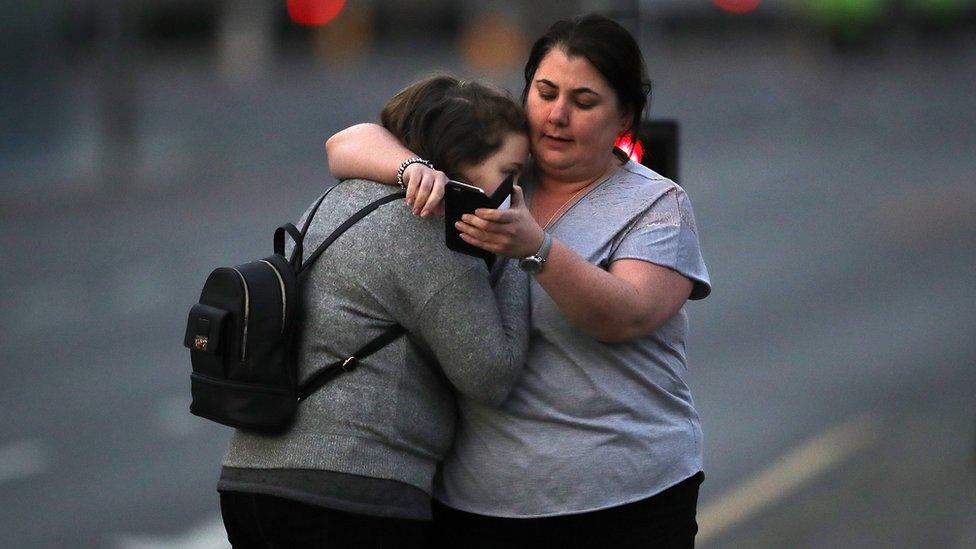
(665, 520)
(257, 520)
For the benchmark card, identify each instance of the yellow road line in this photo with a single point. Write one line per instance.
(786, 475)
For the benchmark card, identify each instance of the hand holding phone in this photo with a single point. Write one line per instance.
(461, 198)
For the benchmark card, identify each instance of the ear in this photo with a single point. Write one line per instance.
(625, 121)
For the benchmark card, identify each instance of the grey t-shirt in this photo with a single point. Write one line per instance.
(591, 425)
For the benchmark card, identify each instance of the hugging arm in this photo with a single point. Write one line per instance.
(370, 151)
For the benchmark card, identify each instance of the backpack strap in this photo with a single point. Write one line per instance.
(298, 237)
(348, 223)
(328, 373)
(279, 243)
(311, 214)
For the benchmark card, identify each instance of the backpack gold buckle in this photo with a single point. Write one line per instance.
(200, 343)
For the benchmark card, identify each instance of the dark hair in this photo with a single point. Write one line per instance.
(609, 48)
(452, 122)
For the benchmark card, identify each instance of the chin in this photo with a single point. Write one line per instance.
(554, 160)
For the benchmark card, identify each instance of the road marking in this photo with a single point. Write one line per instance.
(22, 459)
(209, 535)
(786, 475)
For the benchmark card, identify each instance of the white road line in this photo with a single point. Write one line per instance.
(786, 475)
(209, 535)
(22, 459)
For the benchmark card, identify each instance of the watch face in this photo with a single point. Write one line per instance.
(531, 264)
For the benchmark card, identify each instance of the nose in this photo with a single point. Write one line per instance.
(559, 114)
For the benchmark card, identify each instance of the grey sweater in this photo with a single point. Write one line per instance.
(393, 417)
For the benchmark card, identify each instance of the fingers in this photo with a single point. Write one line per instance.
(508, 232)
(494, 237)
(494, 224)
(476, 236)
(435, 200)
(498, 216)
(479, 228)
(414, 177)
(518, 199)
(425, 189)
(493, 248)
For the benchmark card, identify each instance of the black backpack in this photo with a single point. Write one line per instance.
(240, 336)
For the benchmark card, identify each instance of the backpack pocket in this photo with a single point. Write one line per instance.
(204, 329)
(249, 406)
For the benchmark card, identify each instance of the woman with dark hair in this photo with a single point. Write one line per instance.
(599, 442)
(356, 467)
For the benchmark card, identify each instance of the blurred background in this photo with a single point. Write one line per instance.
(829, 147)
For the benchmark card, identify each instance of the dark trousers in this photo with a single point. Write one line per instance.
(257, 520)
(665, 520)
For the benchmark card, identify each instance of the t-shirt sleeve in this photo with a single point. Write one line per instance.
(666, 234)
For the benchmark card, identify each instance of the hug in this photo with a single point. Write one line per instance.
(539, 399)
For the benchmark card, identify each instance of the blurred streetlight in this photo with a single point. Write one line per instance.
(656, 146)
(737, 6)
(314, 13)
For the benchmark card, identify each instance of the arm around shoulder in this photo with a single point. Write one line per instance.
(365, 151)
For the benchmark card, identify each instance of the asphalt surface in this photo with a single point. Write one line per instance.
(833, 365)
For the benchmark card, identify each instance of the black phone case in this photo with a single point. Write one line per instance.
(459, 200)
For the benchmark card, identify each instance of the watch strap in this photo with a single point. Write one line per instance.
(543, 252)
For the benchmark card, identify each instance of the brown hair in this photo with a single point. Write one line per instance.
(609, 48)
(452, 122)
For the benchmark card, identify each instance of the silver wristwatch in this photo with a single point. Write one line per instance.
(533, 263)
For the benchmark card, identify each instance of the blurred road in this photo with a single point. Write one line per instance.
(833, 366)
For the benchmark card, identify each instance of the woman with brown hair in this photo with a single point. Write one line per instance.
(599, 442)
(356, 468)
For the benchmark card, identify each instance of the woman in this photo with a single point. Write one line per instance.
(599, 442)
(357, 466)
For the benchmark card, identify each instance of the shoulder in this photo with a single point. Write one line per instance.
(415, 242)
(635, 188)
(361, 189)
(634, 177)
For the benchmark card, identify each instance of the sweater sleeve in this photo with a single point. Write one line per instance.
(479, 334)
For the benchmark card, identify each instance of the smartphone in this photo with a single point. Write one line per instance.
(461, 198)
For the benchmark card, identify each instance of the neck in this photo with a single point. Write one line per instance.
(554, 183)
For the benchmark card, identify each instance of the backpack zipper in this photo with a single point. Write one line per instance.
(284, 299)
(247, 312)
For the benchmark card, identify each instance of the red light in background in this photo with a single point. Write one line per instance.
(737, 6)
(629, 146)
(313, 13)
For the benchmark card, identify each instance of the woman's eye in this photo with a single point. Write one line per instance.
(547, 96)
(585, 106)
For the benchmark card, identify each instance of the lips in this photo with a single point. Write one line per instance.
(557, 138)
